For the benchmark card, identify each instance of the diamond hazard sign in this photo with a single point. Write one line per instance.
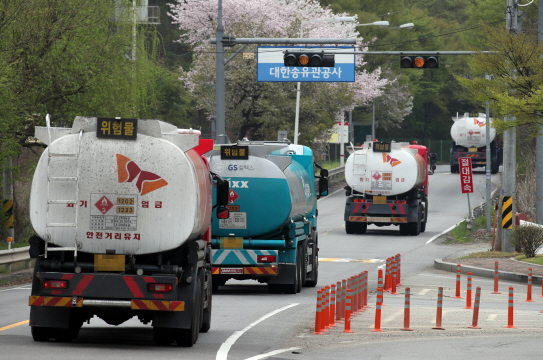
(232, 196)
(104, 205)
(377, 176)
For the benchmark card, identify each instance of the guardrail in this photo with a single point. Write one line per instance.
(9, 257)
(333, 174)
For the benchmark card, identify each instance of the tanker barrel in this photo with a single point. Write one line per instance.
(195, 256)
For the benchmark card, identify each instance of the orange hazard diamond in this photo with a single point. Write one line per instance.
(104, 204)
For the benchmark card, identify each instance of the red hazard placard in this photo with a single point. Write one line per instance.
(232, 196)
(466, 178)
(104, 204)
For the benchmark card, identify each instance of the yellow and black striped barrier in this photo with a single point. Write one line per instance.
(507, 212)
(8, 211)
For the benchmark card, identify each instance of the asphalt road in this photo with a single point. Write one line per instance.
(250, 323)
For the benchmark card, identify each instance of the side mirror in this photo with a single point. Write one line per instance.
(323, 186)
(324, 173)
(223, 212)
(222, 193)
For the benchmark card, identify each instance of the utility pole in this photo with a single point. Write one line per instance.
(509, 153)
(539, 146)
(488, 166)
(219, 86)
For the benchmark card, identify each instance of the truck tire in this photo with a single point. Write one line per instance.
(423, 226)
(303, 267)
(299, 269)
(315, 264)
(206, 317)
(404, 229)
(454, 169)
(414, 227)
(349, 227)
(162, 336)
(293, 288)
(361, 227)
(41, 334)
(494, 168)
(188, 337)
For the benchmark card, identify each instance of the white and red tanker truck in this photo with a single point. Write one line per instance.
(122, 212)
(387, 185)
(469, 140)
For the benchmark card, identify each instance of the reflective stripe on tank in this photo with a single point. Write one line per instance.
(240, 257)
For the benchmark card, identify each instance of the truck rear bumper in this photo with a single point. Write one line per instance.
(79, 302)
(391, 212)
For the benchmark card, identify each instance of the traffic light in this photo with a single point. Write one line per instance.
(308, 59)
(420, 62)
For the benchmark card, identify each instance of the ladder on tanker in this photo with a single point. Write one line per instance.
(52, 157)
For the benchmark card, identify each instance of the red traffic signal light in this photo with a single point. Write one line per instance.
(308, 59)
(419, 62)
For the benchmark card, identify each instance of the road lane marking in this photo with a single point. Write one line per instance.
(328, 196)
(14, 325)
(423, 292)
(24, 287)
(393, 316)
(271, 353)
(344, 260)
(492, 317)
(444, 232)
(222, 354)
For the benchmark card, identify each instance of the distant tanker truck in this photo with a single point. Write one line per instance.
(271, 235)
(388, 185)
(122, 210)
(469, 140)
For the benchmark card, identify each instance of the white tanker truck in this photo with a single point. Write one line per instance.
(388, 185)
(469, 140)
(122, 212)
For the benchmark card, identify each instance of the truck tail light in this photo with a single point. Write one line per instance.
(400, 202)
(266, 258)
(160, 288)
(358, 200)
(55, 284)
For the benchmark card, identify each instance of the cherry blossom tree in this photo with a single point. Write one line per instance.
(258, 109)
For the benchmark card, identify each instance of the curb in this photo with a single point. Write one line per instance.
(439, 264)
(19, 275)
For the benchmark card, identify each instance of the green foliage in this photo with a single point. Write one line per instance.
(489, 254)
(528, 237)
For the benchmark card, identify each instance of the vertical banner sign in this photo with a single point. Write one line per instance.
(507, 212)
(466, 177)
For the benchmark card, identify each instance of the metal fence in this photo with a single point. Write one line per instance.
(9, 257)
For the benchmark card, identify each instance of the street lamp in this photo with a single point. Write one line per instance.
(298, 91)
(403, 26)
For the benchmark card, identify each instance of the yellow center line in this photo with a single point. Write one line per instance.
(14, 325)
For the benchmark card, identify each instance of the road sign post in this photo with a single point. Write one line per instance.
(466, 181)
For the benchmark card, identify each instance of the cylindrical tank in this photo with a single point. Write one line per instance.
(470, 131)
(266, 191)
(132, 196)
(385, 173)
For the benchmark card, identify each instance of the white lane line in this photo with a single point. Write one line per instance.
(492, 317)
(222, 354)
(444, 232)
(423, 292)
(24, 287)
(393, 316)
(271, 353)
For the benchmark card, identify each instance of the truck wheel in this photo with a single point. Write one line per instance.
(162, 336)
(423, 226)
(299, 268)
(361, 227)
(274, 288)
(494, 168)
(315, 265)
(404, 229)
(293, 288)
(206, 317)
(41, 333)
(414, 227)
(188, 337)
(349, 227)
(454, 169)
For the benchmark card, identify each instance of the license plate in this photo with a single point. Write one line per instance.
(379, 199)
(378, 219)
(231, 271)
(472, 149)
(106, 262)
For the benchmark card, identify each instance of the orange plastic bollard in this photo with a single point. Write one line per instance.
(387, 276)
(398, 277)
(468, 296)
(378, 303)
(348, 313)
(332, 305)
(406, 310)
(338, 301)
(318, 315)
(510, 310)
(439, 314)
(476, 309)
(458, 282)
(326, 317)
(529, 294)
(496, 279)
(394, 270)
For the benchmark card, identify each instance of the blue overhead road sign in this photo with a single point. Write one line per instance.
(271, 67)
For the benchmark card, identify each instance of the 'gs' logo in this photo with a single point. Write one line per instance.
(147, 181)
(391, 160)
